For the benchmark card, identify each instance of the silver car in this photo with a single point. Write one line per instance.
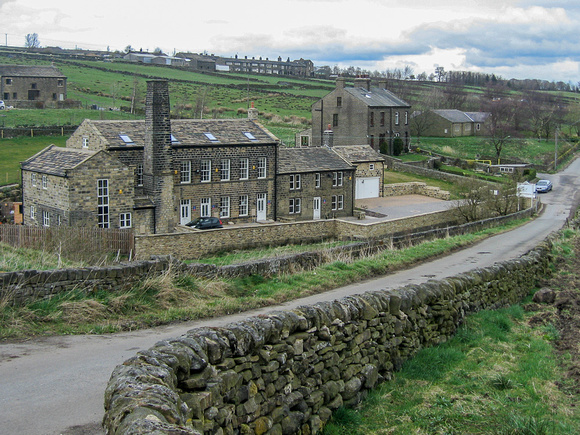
(543, 186)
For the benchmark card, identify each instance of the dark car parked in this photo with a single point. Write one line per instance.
(543, 186)
(205, 223)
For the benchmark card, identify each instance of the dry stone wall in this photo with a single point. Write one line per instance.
(284, 373)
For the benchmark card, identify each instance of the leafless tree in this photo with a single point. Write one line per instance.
(32, 41)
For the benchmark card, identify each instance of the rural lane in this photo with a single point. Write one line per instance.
(55, 385)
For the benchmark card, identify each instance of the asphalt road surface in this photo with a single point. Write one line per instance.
(55, 385)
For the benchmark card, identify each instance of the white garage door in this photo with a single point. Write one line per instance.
(367, 187)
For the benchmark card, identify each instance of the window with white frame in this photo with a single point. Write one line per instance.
(337, 202)
(185, 172)
(33, 178)
(337, 179)
(205, 169)
(140, 174)
(295, 182)
(32, 212)
(205, 207)
(262, 166)
(371, 166)
(45, 219)
(225, 207)
(317, 180)
(85, 142)
(406, 118)
(125, 220)
(244, 169)
(44, 182)
(103, 203)
(294, 205)
(396, 118)
(225, 170)
(243, 205)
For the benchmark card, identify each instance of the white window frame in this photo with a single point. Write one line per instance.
(340, 202)
(225, 170)
(205, 207)
(205, 170)
(139, 172)
(317, 180)
(225, 207)
(125, 220)
(295, 182)
(33, 178)
(243, 205)
(262, 167)
(244, 169)
(103, 203)
(32, 212)
(294, 205)
(185, 172)
(371, 166)
(337, 178)
(85, 142)
(44, 182)
(45, 218)
(334, 202)
(396, 118)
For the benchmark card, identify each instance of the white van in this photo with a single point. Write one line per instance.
(2, 105)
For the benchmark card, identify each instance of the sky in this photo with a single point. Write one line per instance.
(522, 39)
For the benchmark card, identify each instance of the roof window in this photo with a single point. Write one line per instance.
(250, 135)
(125, 138)
(211, 137)
(174, 140)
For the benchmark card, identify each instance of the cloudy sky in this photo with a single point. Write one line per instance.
(511, 38)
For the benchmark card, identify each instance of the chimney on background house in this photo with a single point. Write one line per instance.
(363, 82)
(252, 112)
(157, 158)
(382, 84)
(328, 137)
(340, 82)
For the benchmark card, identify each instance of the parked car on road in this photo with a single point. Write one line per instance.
(205, 223)
(2, 105)
(543, 186)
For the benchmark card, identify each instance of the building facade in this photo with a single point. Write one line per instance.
(362, 115)
(40, 84)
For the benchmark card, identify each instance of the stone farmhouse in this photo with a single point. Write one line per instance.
(449, 123)
(157, 174)
(361, 115)
(21, 84)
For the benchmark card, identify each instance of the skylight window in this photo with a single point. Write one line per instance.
(125, 138)
(211, 137)
(249, 135)
(174, 140)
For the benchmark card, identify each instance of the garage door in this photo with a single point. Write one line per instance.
(367, 187)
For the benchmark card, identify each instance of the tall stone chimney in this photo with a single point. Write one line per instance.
(340, 82)
(383, 84)
(252, 112)
(157, 157)
(328, 137)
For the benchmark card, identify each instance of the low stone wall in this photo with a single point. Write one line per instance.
(284, 373)
(415, 188)
(198, 244)
(18, 288)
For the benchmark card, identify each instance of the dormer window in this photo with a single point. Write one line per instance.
(126, 139)
(211, 137)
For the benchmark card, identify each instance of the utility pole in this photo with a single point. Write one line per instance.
(556, 151)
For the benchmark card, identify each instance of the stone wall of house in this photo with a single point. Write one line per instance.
(415, 188)
(285, 372)
(197, 244)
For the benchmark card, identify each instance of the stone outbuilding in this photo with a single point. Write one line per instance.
(370, 169)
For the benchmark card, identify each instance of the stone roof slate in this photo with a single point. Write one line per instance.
(453, 115)
(188, 132)
(30, 71)
(55, 160)
(315, 159)
(358, 153)
(377, 97)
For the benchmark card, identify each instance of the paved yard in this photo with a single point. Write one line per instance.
(394, 207)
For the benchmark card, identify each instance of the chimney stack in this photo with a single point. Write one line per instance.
(157, 158)
(363, 82)
(252, 113)
(340, 82)
(328, 137)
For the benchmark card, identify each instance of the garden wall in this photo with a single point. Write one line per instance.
(284, 373)
(415, 188)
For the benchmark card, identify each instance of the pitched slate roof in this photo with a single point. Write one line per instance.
(54, 160)
(358, 153)
(30, 71)
(377, 97)
(478, 116)
(188, 132)
(453, 115)
(315, 159)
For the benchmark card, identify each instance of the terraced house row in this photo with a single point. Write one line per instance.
(156, 175)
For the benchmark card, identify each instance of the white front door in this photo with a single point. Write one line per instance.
(316, 208)
(185, 211)
(261, 207)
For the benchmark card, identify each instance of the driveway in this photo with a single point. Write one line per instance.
(395, 207)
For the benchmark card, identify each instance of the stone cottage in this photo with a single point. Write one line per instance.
(449, 123)
(22, 84)
(313, 183)
(362, 114)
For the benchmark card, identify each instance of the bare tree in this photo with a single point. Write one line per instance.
(32, 41)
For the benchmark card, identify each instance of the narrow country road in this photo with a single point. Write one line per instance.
(55, 385)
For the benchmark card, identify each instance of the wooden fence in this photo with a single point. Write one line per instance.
(70, 242)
